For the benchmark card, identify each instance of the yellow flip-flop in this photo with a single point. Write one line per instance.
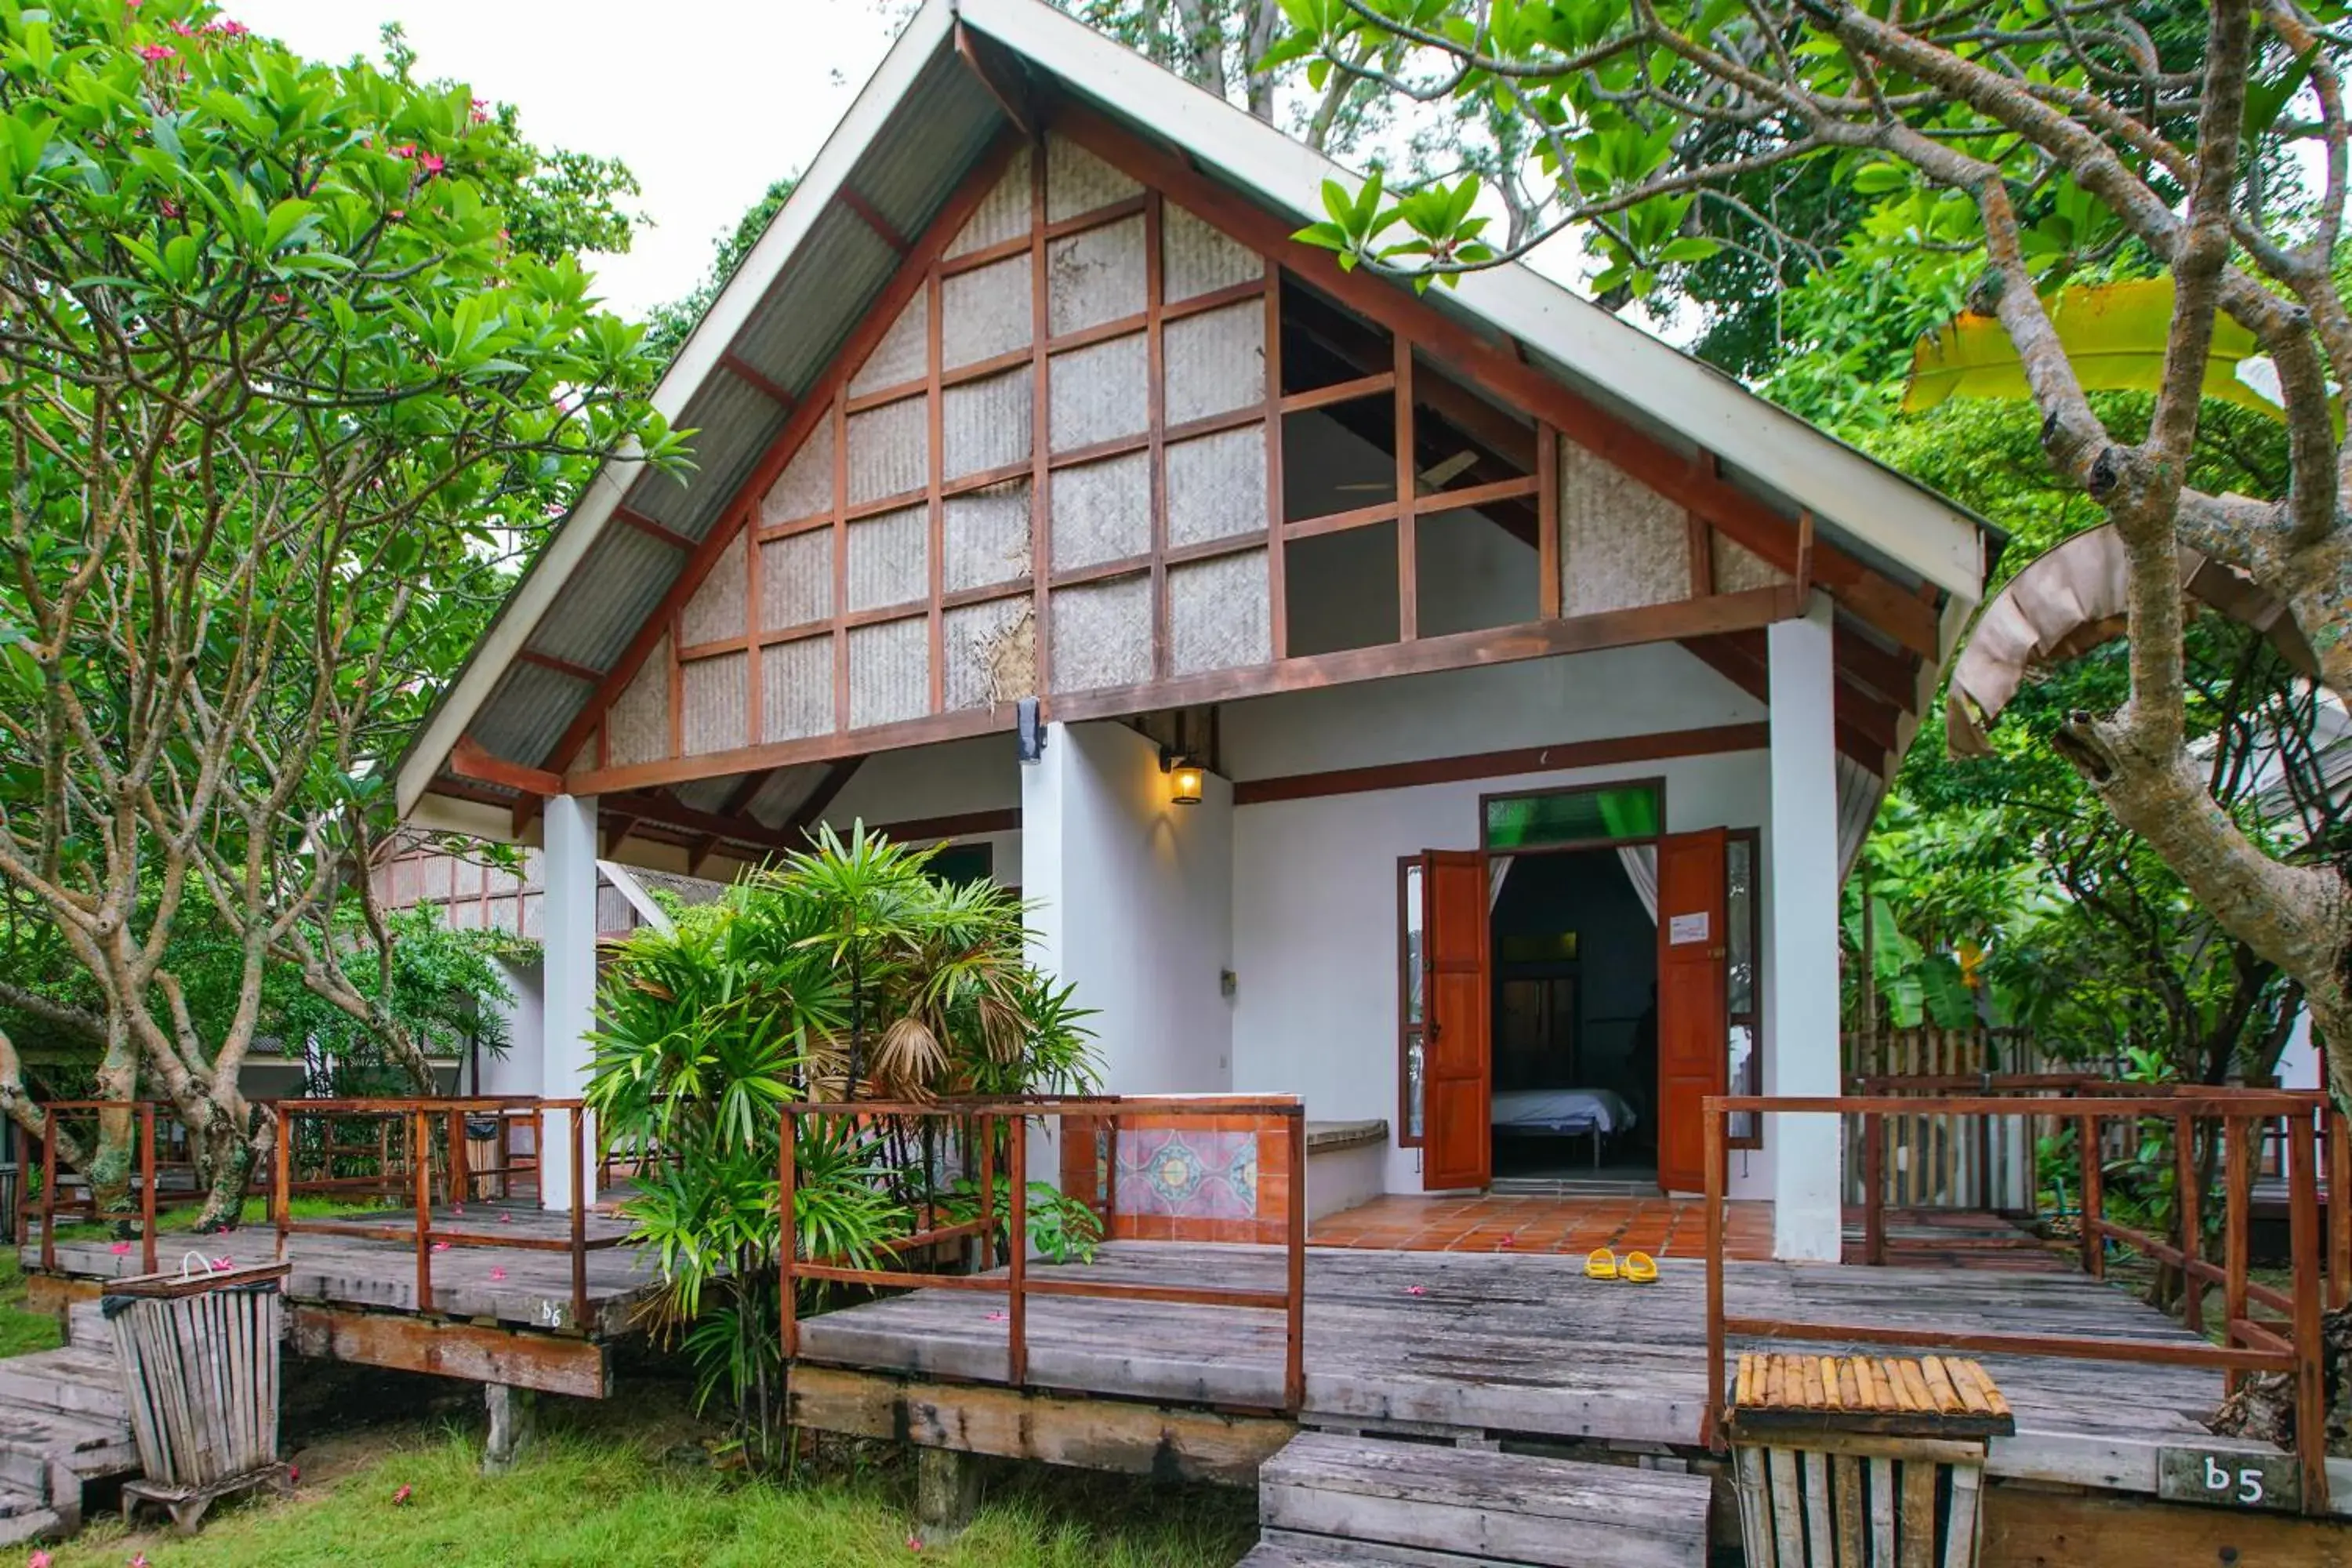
(1641, 1269)
(1600, 1264)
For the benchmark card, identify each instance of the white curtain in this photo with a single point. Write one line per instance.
(1498, 868)
(1641, 863)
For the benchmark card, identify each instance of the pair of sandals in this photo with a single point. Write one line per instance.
(1638, 1267)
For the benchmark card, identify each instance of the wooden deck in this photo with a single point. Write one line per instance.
(499, 1314)
(1527, 1345)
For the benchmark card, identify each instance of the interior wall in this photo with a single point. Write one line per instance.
(1135, 905)
(1616, 964)
(1314, 881)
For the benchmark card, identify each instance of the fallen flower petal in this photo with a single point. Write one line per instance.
(293, 1473)
(39, 1559)
(496, 1275)
(440, 1247)
(119, 1248)
(1416, 1289)
(401, 1496)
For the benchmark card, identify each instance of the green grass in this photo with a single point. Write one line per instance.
(22, 1333)
(591, 1495)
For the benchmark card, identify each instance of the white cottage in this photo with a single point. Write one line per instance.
(1535, 681)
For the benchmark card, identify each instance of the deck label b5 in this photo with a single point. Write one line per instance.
(2229, 1478)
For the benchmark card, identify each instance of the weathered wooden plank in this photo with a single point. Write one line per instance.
(1508, 1506)
(2034, 1528)
(1027, 1423)
(547, 1362)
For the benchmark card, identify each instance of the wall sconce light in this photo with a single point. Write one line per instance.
(1184, 776)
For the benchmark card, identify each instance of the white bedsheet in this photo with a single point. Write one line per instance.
(1563, 1109)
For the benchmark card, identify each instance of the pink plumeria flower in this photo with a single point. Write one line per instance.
(1416, 1289)
(39, 1559)
(914, 1543)
(222, 1265)
(440, 1247)
(496, 1275)
(400, 1498)
(155, 54)
(432, 163)
(139, 1559)
(227, 29)
(119, 1248)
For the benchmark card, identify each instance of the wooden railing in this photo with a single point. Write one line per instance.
(419, 1117)
(142, 1185)
(2290, 1344)
(1006, 1121)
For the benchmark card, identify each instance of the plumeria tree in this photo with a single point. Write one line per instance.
(283, 401)
(2022, 142)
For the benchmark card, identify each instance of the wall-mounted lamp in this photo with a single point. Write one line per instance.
(1183, 776)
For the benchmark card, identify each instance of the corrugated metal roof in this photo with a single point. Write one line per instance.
(918, 161)
(734, 421)
(785, 792)
(622, 577)
(792, 332)
(529, 711)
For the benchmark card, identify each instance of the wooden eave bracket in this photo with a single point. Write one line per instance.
(469, 760)
(1005, 78)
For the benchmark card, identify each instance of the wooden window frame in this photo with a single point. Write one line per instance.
(1407, 1029)
(1656, 785)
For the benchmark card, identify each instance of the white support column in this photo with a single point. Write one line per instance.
(568, 1005)
(1807, 1152)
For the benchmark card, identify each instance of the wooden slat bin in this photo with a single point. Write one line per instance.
(1862, 1462)
(199, 1356)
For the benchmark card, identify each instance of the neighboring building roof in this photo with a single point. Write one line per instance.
(912, 136)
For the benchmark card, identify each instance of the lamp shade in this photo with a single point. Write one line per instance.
(1185, 784)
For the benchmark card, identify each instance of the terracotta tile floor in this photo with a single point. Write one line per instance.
(1660, 1227)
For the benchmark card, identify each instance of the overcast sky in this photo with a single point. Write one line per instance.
(707, 101)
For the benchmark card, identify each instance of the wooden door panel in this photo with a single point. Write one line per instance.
(1457, 1141)
(1692, 1017)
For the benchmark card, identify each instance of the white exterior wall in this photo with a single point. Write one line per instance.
(1315, 881)
(1134, 905)
(946, 779)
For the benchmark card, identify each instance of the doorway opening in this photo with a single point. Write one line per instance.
(1574, 954)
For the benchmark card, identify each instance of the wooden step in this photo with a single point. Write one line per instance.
(23, 1519)
(86, 1325)
(31, 1440)
(1285, 1549)
(76, 1379)
(1484, 1506)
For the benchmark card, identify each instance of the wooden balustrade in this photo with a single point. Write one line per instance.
(988, 1122)
(2289, 1342)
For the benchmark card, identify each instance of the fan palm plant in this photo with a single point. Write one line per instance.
(847, 971)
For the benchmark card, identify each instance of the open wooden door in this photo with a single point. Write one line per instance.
(1692, 1021)
(1457, 1063)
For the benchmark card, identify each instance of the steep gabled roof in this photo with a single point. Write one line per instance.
(961, 74)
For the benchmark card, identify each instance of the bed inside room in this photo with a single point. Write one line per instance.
(1575, 1031)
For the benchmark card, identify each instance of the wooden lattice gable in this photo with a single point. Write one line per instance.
(930, 540)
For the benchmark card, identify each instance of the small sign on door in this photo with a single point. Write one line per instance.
(1681, 929)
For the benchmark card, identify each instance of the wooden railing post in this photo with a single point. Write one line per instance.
(1016, 1249)
(147, 1187)
(579, 1218)
(2339, 1210)
(2094, 1251)
(1712, 1416)
(2188, 1204)
(1294, 1364)
(284, 1183)
(788, 1240)
(421, 1182)
(460, 1185)
(987, 1236)
(2310, 1350)
(1873, 1189)
(49, 1190)
(2238, 1184)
